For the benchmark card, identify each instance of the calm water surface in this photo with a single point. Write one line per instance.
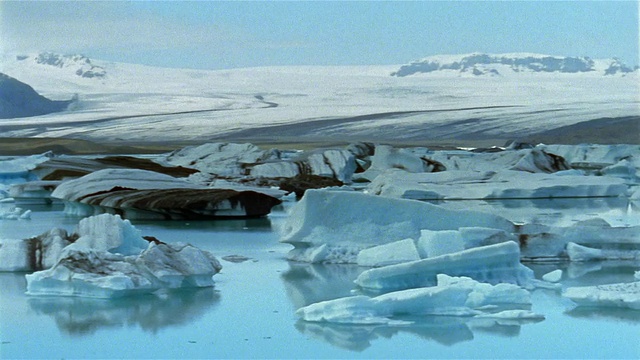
(250, 312)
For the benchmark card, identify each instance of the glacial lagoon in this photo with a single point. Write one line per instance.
(250, 313)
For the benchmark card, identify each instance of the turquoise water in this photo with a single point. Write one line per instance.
(250, 312)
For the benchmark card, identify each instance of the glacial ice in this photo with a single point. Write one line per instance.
(111, 259)
(492, 263)
(626, 295)
(36, 253)
(334, 226)
(502, 184)
(333, 163)
(451, 296)
(219, 158)
(145, 194)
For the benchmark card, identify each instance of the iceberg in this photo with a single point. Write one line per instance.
(111, 259)
(501, 184)
(334, 226)
(220, 158)
(386, 157)
(451, 296)
(499, 263)
(145, 194)
(336, 164)
(626, 295)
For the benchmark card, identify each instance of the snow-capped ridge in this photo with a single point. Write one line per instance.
(500, 64)
(79, 64)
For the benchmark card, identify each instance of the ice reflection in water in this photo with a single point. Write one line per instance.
(84, 316)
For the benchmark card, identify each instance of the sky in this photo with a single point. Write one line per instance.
(235, 34)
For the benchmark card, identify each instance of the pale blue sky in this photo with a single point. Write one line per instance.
(216, 34)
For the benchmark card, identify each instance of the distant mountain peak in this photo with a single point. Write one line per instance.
(480, 64)
(79, 64)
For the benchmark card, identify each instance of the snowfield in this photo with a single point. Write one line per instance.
(134, 103)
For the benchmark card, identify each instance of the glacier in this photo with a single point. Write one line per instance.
(326, 103)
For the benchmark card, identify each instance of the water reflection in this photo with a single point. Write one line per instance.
(610, 314)
(444, 330)
(83, 316)
(310, 283)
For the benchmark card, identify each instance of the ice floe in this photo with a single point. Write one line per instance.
(625, 295)
(111, 259)
(452, 296)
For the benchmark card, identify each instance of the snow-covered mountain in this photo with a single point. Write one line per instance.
(79, 65)
(485, 64)
(136, 103)
(18, 100)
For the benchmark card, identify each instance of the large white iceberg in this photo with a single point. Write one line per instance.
(334, 226)
(492, 264)
(626, 295)
(453, 296)
(111, 259)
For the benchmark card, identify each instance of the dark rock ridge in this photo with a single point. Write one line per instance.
(82, 64)
(18, 99)
(481, 64)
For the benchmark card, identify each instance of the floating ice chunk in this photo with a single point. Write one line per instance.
(537, 160)
(337, 164)
(501, 184)
(582, 253)
(553, 276)
(15, 213)
(637, 275)
(347, 222)
(111, 259)
(512, 315)
(595, 156)
(609, 295)
(452, 296)
(386, 157)
(220, 158)
(150, 195)
(493, 264)
(388, 254)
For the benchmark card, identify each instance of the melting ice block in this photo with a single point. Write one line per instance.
(609, 295)
(334, 226)
(493, 264)
(453, 296)
(111, 259)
